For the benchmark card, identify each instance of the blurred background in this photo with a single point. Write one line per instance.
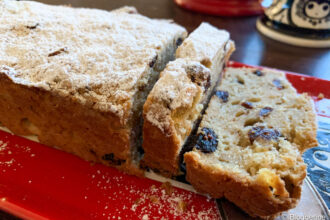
(251, 47)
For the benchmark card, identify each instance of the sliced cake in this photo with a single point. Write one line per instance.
(178, 98)
(78, 78)
(249, 143)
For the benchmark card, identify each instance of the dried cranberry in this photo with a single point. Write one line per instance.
(179, 42)
(111, 158)
(248, 105)
(108, 157)
(240, 82)
(83, 90)
(264, 133)
(59, 51)
(92, 152)
(265, 111)
(199, 75)
(258, 73)
(33, 26)
(153, 61)
(223, 95)
(207, 141)
(278, 84)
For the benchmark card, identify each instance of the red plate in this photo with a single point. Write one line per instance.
(39, 182)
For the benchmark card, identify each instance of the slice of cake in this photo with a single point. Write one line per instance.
(78, 78)
(250, 140)
(180, 95)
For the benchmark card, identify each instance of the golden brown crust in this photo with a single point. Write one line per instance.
(163, 158)
(65, 123)
(252, 197)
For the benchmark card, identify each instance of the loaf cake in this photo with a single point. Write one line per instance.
(249, 143)
(178, 98)
(78, 78)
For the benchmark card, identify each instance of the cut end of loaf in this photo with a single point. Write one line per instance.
(250, 141)
(175, 105)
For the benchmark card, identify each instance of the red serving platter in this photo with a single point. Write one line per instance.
(39, 182)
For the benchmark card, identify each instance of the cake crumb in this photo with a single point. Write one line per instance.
(133, 208)
(137, 201)
(182, 206)
(320, 96)
(154, 199)
(145, 217)
(3, 145)
(167, 186)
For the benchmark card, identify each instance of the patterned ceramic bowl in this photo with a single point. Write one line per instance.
(299, 22)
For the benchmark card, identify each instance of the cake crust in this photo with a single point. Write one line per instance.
(253, 198)
(65, 124)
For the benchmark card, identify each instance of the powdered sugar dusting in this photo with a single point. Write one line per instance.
(104, 192)
(174, 90)
(3, 145)
(4, 150)
(99, 59)
(8, 152)
(149, 202)
(203, 43)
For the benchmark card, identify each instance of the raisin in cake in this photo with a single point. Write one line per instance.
(78, 78)
(180, 95)
(250, 140)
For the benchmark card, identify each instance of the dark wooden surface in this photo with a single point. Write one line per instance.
(251, 47)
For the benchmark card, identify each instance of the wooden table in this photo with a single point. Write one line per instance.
(251, 47)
